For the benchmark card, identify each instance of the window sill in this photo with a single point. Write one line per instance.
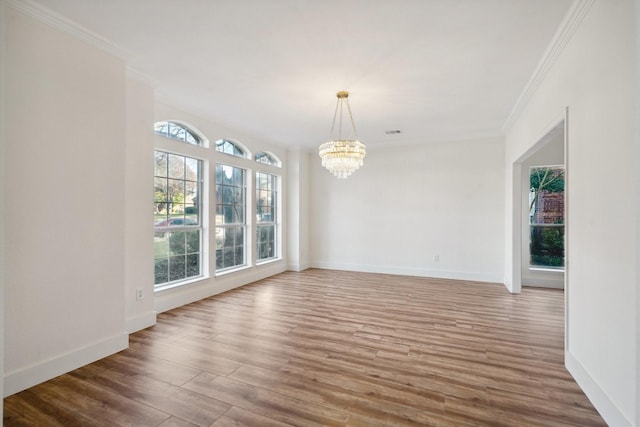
(548, 269)
(170, 286)
(232, 270)
(268, 261)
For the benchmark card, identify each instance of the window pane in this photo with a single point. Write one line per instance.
(193, 265)
(175, 190)
(191, 139)
(160, 189)
(177, 268)
(547, 246)
(160, 212)
(191, 167)
(161, 271)
(219, 263)
(176, 166)
(226, 195)
(160, 168)
(172, 130)
(238, 177)
(220, 233)
(227, 258)
(181, 135)
(160, 246)
(239, 255)
(192, 242)
(177, 243)
(232, 215)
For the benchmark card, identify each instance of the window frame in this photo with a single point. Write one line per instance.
(245, 226)
(541, 226)
(243, 151)
(275, 215)
(210, 157)
(199, 139)
(169, 230)
(273, 160)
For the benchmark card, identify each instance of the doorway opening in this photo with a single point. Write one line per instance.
(541, 225)
(550, 150)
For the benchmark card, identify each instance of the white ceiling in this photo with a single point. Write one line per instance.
(437, 70)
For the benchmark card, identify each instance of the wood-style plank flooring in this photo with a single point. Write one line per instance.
(329, 348)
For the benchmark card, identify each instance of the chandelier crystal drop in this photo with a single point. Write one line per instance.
(342, 157)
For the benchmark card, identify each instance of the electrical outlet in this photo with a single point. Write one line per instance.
(139, 294)
(436, 257)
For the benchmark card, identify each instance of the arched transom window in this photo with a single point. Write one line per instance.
(230, 147)
(177, 131)
(268, 159)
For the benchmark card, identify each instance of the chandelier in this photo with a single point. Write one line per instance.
(342, 157)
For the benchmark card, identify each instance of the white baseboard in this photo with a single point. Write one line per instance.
(28, 377)
(297, 267)
(607, 409)
(141, 321)
(407, 271)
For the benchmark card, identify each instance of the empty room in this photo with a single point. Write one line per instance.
(320, 213)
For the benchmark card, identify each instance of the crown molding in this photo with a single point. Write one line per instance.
(65, 25)
(563, 35)
(141, 77)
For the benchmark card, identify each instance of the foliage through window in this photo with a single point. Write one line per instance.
(266, 212)
(178, 132)
(546, 216)
(228, 147)
(267, 159)
(177, 218)
(230, 217)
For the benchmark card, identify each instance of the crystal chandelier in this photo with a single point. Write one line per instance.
(342, 157)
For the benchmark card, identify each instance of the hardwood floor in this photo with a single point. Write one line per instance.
(329, 348)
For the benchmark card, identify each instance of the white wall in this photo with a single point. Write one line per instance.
(298, 208)
(64, 202)
(409, 204)
(637, 206)
(78, 194)
(138, 250)
(2, 195)
(594, 75)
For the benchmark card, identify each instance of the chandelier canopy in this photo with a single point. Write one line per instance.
(342, 157)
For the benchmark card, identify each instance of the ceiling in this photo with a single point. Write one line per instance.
(437, 70)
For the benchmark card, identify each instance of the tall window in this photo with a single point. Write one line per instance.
(231, 223)
(266, 212)
(546, 216)
(177, 212)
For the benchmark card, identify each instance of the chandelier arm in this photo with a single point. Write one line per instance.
(353, 126)
(333, 123)
(340, 128)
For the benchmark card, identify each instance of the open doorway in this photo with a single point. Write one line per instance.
(550, 150)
